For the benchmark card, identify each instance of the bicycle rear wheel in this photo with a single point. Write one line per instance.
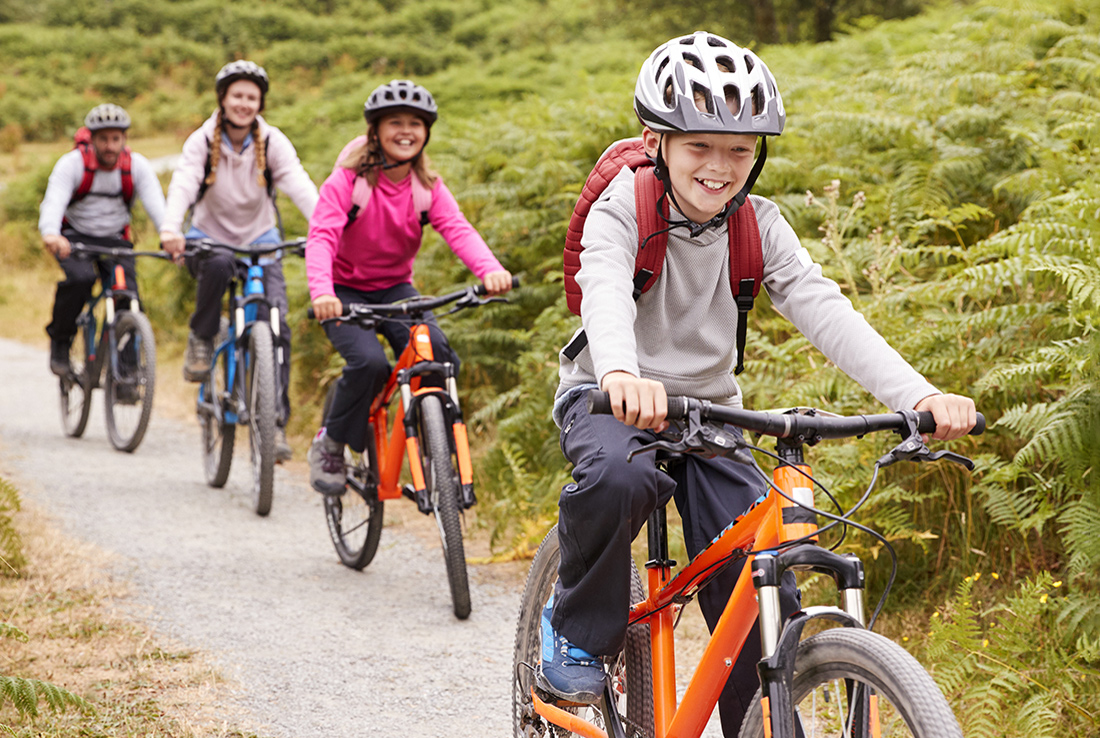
(76, 388)
(260, 391)
(441, 481)
(857, 683)
(355, 517)
(631, 669)
(218, 435)
(131, 380)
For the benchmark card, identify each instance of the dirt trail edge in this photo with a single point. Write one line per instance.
(317, 650)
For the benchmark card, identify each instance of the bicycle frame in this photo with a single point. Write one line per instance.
(402, 438)
(770, 524)
(106, 339)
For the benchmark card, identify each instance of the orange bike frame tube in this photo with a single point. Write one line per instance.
(567, 720)
(663, 656)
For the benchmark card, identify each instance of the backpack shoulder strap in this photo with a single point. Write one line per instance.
(125, 163)
(422, 200)
(360, 196)
(90, 167)
(652, 238)
(746, 270)
(205, 174)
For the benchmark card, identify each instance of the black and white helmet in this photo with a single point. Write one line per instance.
(703, 83)
(107, 115)
(401, 94)
(240, 69)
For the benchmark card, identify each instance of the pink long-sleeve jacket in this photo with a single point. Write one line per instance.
(378, 249)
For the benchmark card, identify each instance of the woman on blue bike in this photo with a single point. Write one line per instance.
(227, 177)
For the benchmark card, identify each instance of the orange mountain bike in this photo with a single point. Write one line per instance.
(427, 427)
(844, 681)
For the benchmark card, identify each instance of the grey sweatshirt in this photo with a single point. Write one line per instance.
(98, 213)
(682, 332)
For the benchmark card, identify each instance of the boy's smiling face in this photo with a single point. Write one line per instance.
(706, 169)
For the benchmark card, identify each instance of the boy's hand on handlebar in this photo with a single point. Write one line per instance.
(497, 283)
(955, 415)
(58, 245)
(327, 306)
(173, 244)
(636, 401)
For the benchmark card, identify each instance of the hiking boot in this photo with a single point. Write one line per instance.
(59, 357)
(565, 670)
(197, 358)
(283, 451)
(127, 393)
(326, 465)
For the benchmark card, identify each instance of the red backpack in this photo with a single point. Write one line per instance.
(82, 140)
(746, 256)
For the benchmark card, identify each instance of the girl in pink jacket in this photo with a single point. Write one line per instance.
(367, 257)
(227, 177)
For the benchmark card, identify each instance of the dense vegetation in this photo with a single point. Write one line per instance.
(953, 162)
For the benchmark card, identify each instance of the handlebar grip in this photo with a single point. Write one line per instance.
(925, 424)
(479, 290)
(599, 403)
(309, 313)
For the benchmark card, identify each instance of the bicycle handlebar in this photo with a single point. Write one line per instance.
(87, 248)
(415, 306)
(207, 245)
(809, 426)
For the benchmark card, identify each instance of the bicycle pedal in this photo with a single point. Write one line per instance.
(544, 693)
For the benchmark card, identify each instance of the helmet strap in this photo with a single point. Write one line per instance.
(697, 229)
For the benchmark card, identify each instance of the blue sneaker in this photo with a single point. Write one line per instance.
(565, 670)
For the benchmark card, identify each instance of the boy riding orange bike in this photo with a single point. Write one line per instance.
(707, 106)
(367, 257)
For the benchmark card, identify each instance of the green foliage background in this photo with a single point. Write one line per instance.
(952, 158)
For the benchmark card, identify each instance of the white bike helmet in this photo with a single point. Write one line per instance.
(703, 83)
(401, 94)
(107, 115)
(241, 69)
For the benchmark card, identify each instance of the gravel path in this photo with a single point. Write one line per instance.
(316, 649)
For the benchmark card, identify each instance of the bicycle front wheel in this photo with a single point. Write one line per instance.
(131, 380)
(631, 669)
(76, 388)
(850, 682)
(441, 480)
(355, 517)
(260, 391)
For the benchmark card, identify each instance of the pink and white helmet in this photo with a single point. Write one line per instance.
(703, 83)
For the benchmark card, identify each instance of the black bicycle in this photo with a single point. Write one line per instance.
(242, 387)
(122, 358)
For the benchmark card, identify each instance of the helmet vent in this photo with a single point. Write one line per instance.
(660, 68)
(717, 42)
(704, 101)
(725, 64)
(693, 61)
(757, 100)
(749, 64)
(733, 98)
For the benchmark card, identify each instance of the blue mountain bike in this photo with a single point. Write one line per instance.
(243, 386)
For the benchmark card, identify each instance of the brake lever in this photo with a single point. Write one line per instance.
(914, 449)
(701, 439)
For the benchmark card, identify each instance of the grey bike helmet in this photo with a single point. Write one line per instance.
(241, 69)
(401, 94)
(107, 115)
(737, 93)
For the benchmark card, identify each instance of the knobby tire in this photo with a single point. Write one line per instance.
(441, 480)
(828, 668)
(631, 670)
(76, 389)
(260, 391)
(129, 394)
(355, 517)
(218, 435)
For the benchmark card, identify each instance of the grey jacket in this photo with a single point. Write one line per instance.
(682, 332)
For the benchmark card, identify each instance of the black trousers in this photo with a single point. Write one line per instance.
(81, 273)
(604, 510)
(214, 272)
(368, 367)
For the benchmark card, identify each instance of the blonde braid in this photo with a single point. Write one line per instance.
(261, 154)
(215, 151)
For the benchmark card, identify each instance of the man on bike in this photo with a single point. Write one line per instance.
(88, 200)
